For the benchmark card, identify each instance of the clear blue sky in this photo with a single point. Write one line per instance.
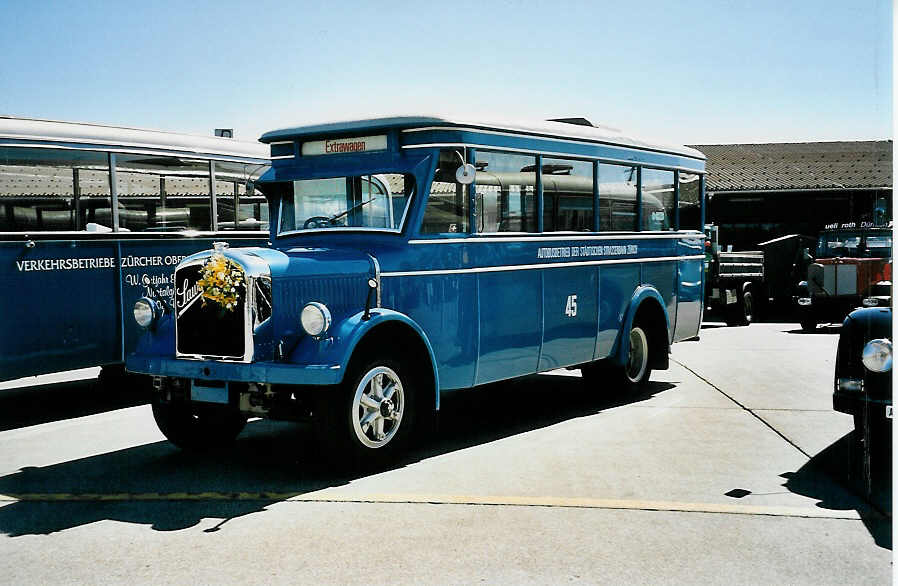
(685, 71)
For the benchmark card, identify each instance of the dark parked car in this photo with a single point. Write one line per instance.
(863, 389)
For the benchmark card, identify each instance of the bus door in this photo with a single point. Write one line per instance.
(570, 294)
(510, 300)
(690, 273)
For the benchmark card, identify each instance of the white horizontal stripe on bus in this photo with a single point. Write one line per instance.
(59, 236)
(104, 147)
(543, 136)
(549, 265)
(628, 162)
(487, 239)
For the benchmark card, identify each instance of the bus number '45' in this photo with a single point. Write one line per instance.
(570, 309)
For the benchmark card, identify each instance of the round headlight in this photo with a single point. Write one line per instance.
(315, 318)
(146, 311)
(877, 355)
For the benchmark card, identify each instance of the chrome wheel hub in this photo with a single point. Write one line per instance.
(377, 407)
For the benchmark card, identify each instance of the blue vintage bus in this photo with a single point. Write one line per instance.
(412, 256)
(92, 217)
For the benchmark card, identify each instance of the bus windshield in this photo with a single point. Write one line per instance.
(375, 202)
(855, 244)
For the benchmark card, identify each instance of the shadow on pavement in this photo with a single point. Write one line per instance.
(824, 329)
(825, 478)
(25, 406)
(162, 487)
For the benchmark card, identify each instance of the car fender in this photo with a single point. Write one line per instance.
(338, 348)
(642, 294)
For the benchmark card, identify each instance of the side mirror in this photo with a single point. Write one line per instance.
(465, 174)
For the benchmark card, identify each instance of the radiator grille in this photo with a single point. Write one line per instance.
(206, 329)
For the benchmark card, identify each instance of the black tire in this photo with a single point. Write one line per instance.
(740, 313)
(858, 459)
(748, 308)
(629, 378)
(808, 324)
(383, 392)
(198, 427)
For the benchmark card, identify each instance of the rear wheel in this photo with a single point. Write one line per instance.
(740, 313)
(748, 308)
(369, 418)
(197, 427)
(636, 370)
(630, 377)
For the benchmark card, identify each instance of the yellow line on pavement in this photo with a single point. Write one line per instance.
(327, 496)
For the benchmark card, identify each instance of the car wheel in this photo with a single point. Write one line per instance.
(808, 324)
(628, 378)
(748, 308)
(197, 427)
(367, 421)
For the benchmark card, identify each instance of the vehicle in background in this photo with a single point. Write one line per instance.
(742, 285)
(863, 389)
(497, 251)
(852, 268)
(94, 217)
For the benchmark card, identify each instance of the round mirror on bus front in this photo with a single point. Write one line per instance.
(465, 174)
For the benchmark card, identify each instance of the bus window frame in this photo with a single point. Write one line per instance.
(355, 229)
(111, 154)
(597, 197)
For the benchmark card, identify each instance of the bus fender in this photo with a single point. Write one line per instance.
(643, 294)
(346, 337)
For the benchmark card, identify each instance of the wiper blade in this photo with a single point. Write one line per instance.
(350, 210)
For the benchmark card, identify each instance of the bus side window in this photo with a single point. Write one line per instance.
(53, 190)
(567, 195)
(690, 201)
(447, 203)
(617, 197)
(231, 180)
(505, 187)
(162, 194)
(657, 199)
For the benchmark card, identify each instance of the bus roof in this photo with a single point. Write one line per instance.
(36, 131)
(544, 129)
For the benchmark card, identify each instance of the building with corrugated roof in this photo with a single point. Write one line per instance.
(757, 192)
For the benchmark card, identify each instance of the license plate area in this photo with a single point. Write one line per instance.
(209, 391)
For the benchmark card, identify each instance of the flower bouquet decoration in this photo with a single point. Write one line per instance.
(222, 282)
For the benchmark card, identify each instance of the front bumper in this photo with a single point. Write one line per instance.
(257, 372)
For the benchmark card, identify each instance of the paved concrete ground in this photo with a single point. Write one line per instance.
(726, 471)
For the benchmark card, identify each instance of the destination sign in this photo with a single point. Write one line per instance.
(360, 144)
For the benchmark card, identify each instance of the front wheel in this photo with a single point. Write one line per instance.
(368, 419)
(808, 324)
(197, 427)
